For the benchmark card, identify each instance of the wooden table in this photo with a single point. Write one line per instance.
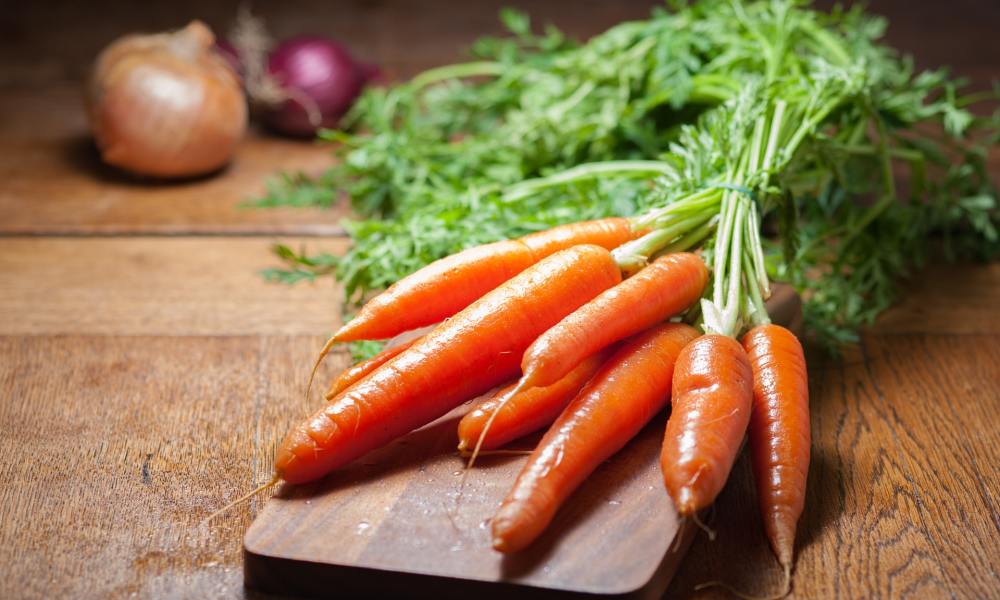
(147, 372)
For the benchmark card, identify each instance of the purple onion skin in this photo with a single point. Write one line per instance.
(321, 69)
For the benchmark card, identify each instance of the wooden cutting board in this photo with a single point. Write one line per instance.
(401, 521)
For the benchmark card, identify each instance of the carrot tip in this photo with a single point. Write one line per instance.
(489, 423)
(685, 502)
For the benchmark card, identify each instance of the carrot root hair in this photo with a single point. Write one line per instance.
(708, 530)
(466, 453)
(476, 451)
(489, 423)
(319, 359)
(786, 588)
(275, 480)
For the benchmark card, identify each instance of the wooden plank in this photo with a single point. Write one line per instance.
(116, 448)
(944, 298)
(170, 286)
(903, 490)
(158, 286)
(53, 181)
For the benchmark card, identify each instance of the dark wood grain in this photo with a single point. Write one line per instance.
(115, 448)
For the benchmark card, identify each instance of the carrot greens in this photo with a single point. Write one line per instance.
(709, 124)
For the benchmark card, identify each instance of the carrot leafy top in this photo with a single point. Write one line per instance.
(702, 123)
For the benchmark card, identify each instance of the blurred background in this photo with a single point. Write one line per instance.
(53, 179)
(55, 41)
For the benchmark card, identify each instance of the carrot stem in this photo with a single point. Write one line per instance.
(585, 172)
(691, 238)
(456, 71)
(657, 239)
(702, 200)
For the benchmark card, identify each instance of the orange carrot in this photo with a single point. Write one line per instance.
(607, 233)
(446, 286)
(779, 432)
(437, 291)
(526, 411)
(464, 356)
(664, 288)
(624, 394)
(353, 374)
(712, 392)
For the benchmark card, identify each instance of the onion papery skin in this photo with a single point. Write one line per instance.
(166, 105)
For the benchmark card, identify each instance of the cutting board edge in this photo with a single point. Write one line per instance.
(271, 573)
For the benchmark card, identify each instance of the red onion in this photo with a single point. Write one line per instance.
(319, 80)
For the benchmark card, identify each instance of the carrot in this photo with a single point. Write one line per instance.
(448, 285)
(712, 391)
(779, 432)
(437, 291)
(664, 288)
(525, 411)
(353, 374)
(607, 233)
(624, 394)
(464, 356)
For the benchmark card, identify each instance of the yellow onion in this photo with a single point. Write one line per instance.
(166, 104)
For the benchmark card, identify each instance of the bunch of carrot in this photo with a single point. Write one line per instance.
(583, 351)
(591, 329)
